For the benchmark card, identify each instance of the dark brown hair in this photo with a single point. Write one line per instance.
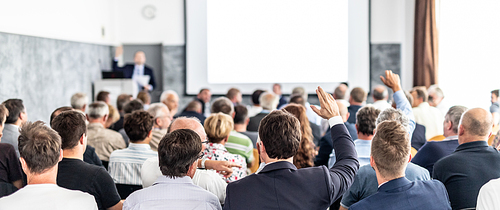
(177, 151)
(138, 125)
(358, 94)
(102, 96)
(15, 107)
(71, 126)
(39, 146)
(279, 131)
(366, 119)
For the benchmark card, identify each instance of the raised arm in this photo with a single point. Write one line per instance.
(346, 165)
(392, 81)
(118, 53)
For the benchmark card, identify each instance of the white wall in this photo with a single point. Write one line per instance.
(392, 22)
(167, 27)
(74, 20)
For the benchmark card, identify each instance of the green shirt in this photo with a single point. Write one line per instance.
(241, 145)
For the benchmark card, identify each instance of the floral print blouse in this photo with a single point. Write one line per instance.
(216, 151)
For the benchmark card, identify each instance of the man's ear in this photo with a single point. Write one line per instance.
(60, 155)
(247, 121)
(105, 118)
(82, 139)
(150, 134)
(24, 166)
(84, 107)
(87, 116)
(347, 116)
(461, 130)
(158, 122)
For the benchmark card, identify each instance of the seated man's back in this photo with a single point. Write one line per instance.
(48, 196)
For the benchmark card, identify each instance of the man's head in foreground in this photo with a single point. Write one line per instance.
(279, 134)
(178, 153)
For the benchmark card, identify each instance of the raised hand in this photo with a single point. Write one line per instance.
(329, 107)
(391, 80)
(118, 51)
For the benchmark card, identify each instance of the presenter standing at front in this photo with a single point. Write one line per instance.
(136, 70)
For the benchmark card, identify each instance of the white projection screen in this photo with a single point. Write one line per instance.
(251, 44)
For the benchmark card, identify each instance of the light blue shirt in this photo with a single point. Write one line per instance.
(404, 105)
(363, 148)
(172, 193)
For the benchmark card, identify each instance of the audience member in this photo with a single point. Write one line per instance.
(428, 116)
(488, 195)
(103, 140)
(40, 150)
(339, 94)
(204, 97)
(268, 101)
(432, 151)
(279, 93)
(235, 96)
(113, 117)
(241, 120)
(193, 109)
(356, 100)
(178, 155)
(207, 179)
(316, 130)
(145, 98)
(390, 154)
(218, 126)
(305, 154)
(255, 108)
(237, 143)
(73, 173)
(79, 101)
(171, 99)
(10, 168)
(130, 107)
(380, 96)
(325, 152)
(418, 137)
(103, 96)
(280, 185)
(120, 103)
(495, 106)
(89, 156)
(125, 164)
(313, 117)
(17, 116)
(365, 126)
(162, 120)
(472, 164)
(436, 98)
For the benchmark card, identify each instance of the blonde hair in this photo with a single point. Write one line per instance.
(218, 126)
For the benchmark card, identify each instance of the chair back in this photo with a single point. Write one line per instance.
(437, 138)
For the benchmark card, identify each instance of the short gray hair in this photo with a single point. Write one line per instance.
(453, 115)
(78, 100)
(268, 100)
(380, 95)
(156, 110)
(300, 91)
(391, 114)
(222, 104)
(166, 93)
(98, 109)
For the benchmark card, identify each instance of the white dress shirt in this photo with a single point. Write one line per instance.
(489, 195)
(431, 118)
(381, 105)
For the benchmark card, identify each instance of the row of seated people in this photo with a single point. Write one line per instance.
(370, 127)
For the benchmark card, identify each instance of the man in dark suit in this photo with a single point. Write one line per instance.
(277, 91)
(280, 185)
(390, 153)
(472, 164)
(137, 69)
(193, 109)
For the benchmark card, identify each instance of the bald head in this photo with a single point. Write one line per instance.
(380, 93)
(188, 123)
(343, 111)
(475, 125)
(140, 58)
(340, 91)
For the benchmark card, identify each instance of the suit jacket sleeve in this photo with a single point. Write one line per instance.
(116, 67)
(345, 168)
(151, 76)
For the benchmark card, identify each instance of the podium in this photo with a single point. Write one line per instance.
(116, 87)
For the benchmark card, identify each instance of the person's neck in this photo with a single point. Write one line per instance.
(364, 136)
(356, 103)
(256, 105)
(73, 153)
(382, 179)
(98, 121)
(18, 123)
(273, 160)
(467, 139)
(447, 133)
(145, 141)
(240, 127)
(47, 177)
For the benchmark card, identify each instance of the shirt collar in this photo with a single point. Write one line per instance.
(216, 146)
(139, 146)
(424, 105)
(96, 125)
(179, 180)
(471, 145)
(451, 138)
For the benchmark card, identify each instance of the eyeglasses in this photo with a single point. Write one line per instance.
(205, 142)
(200, 156)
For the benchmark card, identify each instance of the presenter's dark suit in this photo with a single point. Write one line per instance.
(401, 193)
(128, 71)
(281, 185)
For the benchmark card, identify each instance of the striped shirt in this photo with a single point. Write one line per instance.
(125, 164)
(240, 144)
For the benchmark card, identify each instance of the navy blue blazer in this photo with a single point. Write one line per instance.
(128, 70)
(281, 185)
(401, 193)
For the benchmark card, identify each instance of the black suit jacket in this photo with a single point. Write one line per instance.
(128, 70)
(253, 124)
(281, 185)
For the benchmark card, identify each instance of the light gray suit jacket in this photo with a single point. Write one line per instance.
(10, 135)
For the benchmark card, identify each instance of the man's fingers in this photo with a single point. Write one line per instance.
(316, 110)
(320, 97)
(383, 79)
